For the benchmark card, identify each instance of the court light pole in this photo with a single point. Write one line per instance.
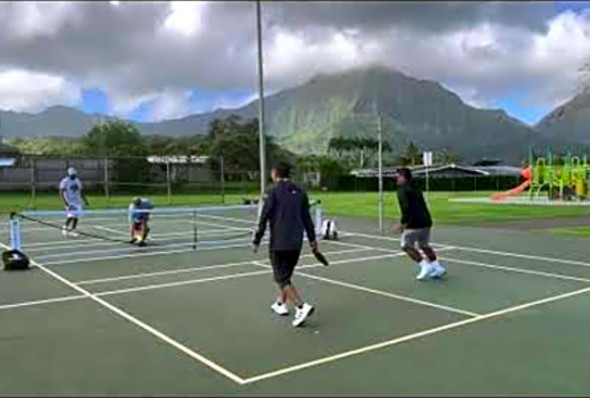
(380, 146)
(369, 118)
(261, 103)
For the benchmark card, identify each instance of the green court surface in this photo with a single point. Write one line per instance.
(101, 318)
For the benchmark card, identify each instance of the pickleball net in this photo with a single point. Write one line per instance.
(106, 233)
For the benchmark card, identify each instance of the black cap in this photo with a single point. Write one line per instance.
(405, 172)
(283, 169)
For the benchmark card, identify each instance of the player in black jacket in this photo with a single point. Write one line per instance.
(415, 226)
(286, 209)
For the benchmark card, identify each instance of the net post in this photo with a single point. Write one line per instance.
(33, 183)
(195, 230)
(15, 242)
(318, 218)
(106, 179)
(222, 180)
(168, 184)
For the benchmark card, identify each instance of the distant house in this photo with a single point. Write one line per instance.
(8, 155)
(446, 171)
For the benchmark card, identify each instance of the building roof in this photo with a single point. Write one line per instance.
(5, 149)
(449, 170)
(8, 155)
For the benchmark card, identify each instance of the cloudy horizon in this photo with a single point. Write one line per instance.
(161, 60)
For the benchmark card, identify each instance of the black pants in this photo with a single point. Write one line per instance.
(283, 265)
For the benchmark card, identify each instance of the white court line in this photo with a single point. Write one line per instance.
(165, 237)
(391, 295)
(123, 250)
(519, 270)
(193, 354)
(410, 337)
(232, 219)
(68, 298)
(127, 248)
(335, 242)
(221, 225)
(161, 273)
(239, 275)
(180, 283)
(381, 249)
(380, 292)
(153, 253)
(58, 244)
(39, 302)
(192, 269)
(115, 231)
(485, 251)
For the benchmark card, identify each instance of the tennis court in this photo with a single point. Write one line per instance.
(100, 318)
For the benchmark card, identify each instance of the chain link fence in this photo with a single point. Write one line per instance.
(168, 177)
(175, 179)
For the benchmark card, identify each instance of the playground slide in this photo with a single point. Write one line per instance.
(514, 191)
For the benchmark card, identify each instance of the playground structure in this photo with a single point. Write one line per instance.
(560, 178)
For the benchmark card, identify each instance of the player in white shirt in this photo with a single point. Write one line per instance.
(71, 193)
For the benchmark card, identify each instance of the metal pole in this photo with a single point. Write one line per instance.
(380, 149)
(168, 185)
(261, 103)
(222, 171)
(106, 179)
(427, 181)
(33, 183)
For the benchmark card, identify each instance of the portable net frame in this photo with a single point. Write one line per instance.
(107, 233)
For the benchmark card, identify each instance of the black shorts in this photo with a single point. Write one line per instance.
(283, 265)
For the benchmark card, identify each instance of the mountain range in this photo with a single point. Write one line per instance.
(304, 118)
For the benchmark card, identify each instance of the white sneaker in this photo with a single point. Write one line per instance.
(64, 231)
(280, 309)
(437, 270)
(425, 270)
(74, 234)
(302, 314)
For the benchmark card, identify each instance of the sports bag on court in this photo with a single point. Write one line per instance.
(15, 260)
(329, 230)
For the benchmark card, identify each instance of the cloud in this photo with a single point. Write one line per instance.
(184, 17)
(170, 105)
(23, 91)
(156, 53)
(27, 20)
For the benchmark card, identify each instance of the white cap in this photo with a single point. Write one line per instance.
(71, 171)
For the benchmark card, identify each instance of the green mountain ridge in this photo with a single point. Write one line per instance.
(570, 122)
(304, 118)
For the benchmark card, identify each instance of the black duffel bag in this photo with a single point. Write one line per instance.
(15, 260)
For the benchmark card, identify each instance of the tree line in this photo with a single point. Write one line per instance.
(234, 139)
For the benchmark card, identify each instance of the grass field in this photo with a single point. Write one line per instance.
(355, 204)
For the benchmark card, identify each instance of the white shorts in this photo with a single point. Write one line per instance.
(420, 236)
(74, 211)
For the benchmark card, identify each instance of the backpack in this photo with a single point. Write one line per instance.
(15, 260)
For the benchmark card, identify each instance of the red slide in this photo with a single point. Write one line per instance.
(526, 173)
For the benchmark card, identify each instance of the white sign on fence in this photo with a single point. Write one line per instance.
(427, 159)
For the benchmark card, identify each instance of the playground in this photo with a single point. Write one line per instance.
(551, 180)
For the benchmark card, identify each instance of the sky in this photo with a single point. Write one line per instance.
(151, 61)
